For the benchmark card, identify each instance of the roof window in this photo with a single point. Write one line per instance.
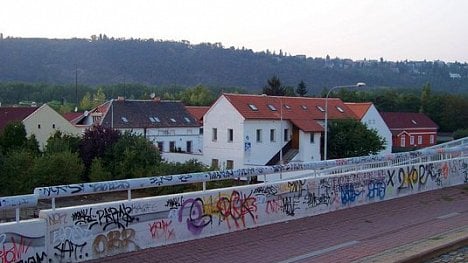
(152, 119)
(414, 122)
(320, 108)
(286, 106)
(339, 109)
(253, 107)
(304, 107)
(187, 120)
(271, 107)
(124, 119)
(173, 120)
(156, 119)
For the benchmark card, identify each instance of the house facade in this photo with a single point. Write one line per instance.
(410, 130)
(41, 121)
(165, 123)
(249, 130)
(368, 114)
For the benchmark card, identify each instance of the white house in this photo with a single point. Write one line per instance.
(165, 123)
(368, 114)
(246, 130)
(41, 121)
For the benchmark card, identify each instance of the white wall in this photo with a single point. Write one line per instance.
(308, 152)
(47, 118)
(223, 116)
(98, 230)
(373, 120)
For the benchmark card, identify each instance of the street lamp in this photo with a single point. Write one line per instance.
(357, 85)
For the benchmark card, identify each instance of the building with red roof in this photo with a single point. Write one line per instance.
(245, 130)
(410, 130)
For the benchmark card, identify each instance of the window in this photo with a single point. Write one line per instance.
(39, 126)
(173, 120)
(259, 135)
(156, 119)
(214, 135)
(189, 147)
(124, 119)
(201, 130)
(271, 107)
(253, 107)
(230, 135)
(403, 141)
(161, 146)
(431, 139)
(286, 135)
(311, 137)
(339, 109)
(419, 139)
(229, 164)
(215, 163)
(411, 140)
(304, 107)
(320, 108)
(272, 135)
(187, 120)
(172, 146)
(152, 119)
(414, 122)
(189, 131)
(286, 106)
(53, 125)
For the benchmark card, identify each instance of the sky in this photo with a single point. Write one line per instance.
(355, 29)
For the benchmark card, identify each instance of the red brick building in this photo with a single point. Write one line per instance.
(410, 130)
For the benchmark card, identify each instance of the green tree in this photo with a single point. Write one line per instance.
(98, 172)
(57, 169)
(274, 87)
(60, 142)
(301, 89)
(13, 136)
(198, 96)
(132, 156)
(350, 138)
(16, 172)
(425, 97)
(86, 102)
(461, 133)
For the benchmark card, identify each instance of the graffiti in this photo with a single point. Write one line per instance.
(56, 219)
(217, 175)
(75, 234)
(18, 201)
(68, 249)
(14, 250)
(390, 178)
(376, 189)
(273, 206)
(197, 219)
(38, 258)
(349, 193)
(183, 178)
(162, 229)
(236, 207)
(174, 203)
(407, 179)
(269, 190)
(59, 190)
(296, 186)
(290, 205)
(114, 242)
(119, 217)
(159, 180)
(109, 186)
(140, 208)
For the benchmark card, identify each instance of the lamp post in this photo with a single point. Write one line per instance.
(357, 85)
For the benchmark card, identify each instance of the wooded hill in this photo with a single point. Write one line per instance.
(103, 60)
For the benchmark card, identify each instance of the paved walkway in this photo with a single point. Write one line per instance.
(388, 231)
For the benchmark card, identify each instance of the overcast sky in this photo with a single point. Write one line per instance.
(356, 29)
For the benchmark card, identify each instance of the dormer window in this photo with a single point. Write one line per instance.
(271, 107)
(253, 107)
(339, 109)
(320, 108)
(124, 119)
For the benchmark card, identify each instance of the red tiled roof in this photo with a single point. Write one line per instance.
(359, 109)
(11, 114)
(407, 120)
(70, 116)
(288, 108)
(307, 125)
(197, 111)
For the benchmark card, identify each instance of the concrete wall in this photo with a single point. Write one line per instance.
(374, 120)
(308, 151)
(94, 231)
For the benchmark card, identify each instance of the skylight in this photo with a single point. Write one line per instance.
(156, 119)
(304, 107)
(187, 120)
(271, 107)
(320, 108)
(152, 119)
(414, 122)
(286, 106)
(253, 107)
(124, 119)
(173, 120)
(339, 109)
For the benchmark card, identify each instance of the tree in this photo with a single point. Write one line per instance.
(98, 172)
(425, 97)
(274, 87)
(301, 89)
(350, 138)
(60, 142)
(57, 169)
(13, 136)
(132, 156)
(95, 143)
(15, 172)
(198, 96)
(461, 133)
